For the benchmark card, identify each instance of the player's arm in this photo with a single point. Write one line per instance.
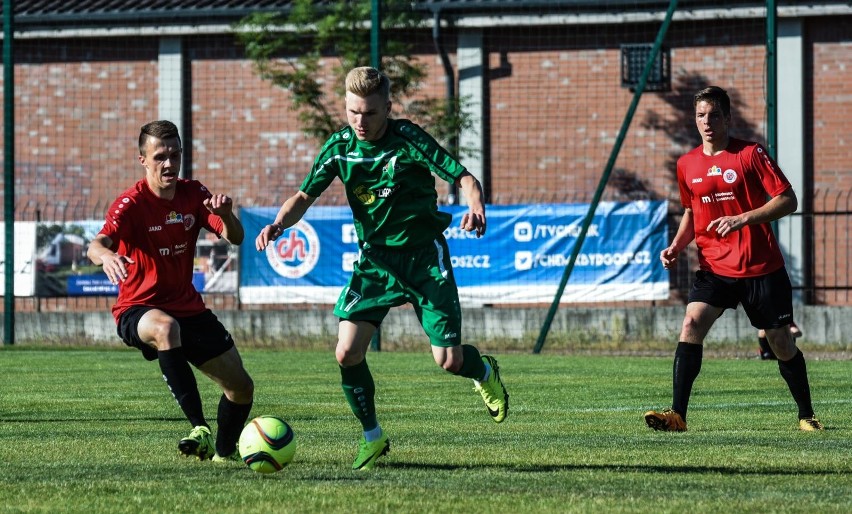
(222, 206)
(289, 214)
(115, 265)
(776, 208)
(685, 234)
(474, 219)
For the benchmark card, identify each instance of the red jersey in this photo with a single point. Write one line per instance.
(160, 236)
(735, 181)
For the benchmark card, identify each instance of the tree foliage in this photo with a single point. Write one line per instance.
(292, 50)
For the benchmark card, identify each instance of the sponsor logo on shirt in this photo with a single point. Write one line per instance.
(697, 180)
(386, 192)
(364, 194)
(725, 196)
(155, 229)
(174, 218)
(714, 171)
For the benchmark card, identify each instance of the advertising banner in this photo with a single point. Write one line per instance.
(24, 255)
(521, 259)
(62, 267)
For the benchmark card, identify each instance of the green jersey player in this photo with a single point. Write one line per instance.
(388, 167)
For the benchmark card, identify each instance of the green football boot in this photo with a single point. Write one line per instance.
(197, 444)
(233, 457)
(369, 453)
(494, 392)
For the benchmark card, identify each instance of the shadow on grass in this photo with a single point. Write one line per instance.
(618, 468)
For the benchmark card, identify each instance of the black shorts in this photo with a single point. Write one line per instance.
(202, 336)
(767, 299)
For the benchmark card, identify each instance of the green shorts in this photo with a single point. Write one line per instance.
(384, 278)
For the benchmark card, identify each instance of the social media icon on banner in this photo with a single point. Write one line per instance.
(523, 260)
(523, 231)
(348, 260)
(348, 234)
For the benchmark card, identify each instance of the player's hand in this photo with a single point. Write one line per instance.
(219, 204)
(115, 267)
(474, 221)
(268, 234)
(725, 225)
(669, 257)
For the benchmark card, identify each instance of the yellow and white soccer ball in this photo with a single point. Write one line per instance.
(267, 444)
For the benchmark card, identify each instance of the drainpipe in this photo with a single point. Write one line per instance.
(450, 80)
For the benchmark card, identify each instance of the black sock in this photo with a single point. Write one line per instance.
(766, 352)
(687, 365)
(181, 381)
(231, 418)
(795, 373)
(360, 392)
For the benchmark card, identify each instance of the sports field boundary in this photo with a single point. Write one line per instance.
(617, 329)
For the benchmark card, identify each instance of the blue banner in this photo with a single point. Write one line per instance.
(99, 285)
(521, 258)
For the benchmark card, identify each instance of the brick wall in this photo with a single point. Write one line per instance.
(551, 123)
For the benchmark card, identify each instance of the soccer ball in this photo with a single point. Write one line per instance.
(267, 444)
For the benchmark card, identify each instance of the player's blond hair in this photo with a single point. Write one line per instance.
(365, 81)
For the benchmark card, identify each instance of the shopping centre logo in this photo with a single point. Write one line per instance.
(296, 252)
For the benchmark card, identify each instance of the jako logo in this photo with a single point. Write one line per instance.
(296, 252)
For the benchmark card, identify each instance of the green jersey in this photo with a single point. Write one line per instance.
(389, 183)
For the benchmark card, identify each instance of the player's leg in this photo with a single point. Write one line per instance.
(212, 350)
(373, 289)
(765, 351)
(709, 297)
(795, 331)
(435, 297)
(161, 331)
(359, 389)
(771, 308)
(773, 302)
(686, 366)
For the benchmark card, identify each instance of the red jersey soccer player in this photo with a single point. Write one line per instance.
(147, 247)
(724, 184)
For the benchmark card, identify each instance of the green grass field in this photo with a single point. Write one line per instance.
(96, 431)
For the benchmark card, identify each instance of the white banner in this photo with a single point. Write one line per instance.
(25, 248)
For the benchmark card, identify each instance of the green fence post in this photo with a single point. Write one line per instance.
(605, 177)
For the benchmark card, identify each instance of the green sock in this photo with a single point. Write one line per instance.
(360, 393)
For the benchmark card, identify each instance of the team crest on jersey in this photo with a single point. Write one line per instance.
(730, 176)
(174, 218)
(364, 194)
(188, 221)
(296, 252)
(715, 171)
(389, 167)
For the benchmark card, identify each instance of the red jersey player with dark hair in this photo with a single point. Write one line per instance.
(724, 184)
(147, 248)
